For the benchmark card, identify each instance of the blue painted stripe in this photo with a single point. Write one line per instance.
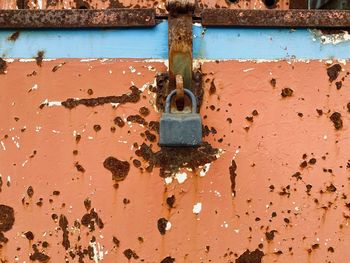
(209, 43)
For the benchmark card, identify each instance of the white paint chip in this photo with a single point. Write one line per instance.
(197, 208)
(168, 180)
(132, 69)
(333, 39)
(168, 226)
(48, 103)
(3, 145)
(181, 177)
(35, 87)
(205, 169)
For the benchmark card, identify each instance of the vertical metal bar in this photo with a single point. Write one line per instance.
(180, 41)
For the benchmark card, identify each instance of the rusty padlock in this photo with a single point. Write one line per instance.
(180, 128)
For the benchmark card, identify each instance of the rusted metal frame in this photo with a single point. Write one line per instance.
(121, 17)
(180, 46)
(298, 4)
(277, 18)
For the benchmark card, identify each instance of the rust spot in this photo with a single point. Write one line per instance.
(116, 241)
(30, 191)
(337, 121)
(77, 138)
(97, 127)
(150, 136)
(14, 36)
(133, 97)
(119, 169)
(129, 253)
(315, 246)
(39, 58)
(249, 118)
(170, 201)
(79, 167)
(339, 84)
(270, 235)
(87, 204)
(29, 235)
(333, 72)
(250, 257)
(136, 163)
(7, 218)
(90, 219)
(162, 222)
(170, 159)
(286, 92)
(312, 161)
(297, 175)
(144, 111)
(63, 223)
(3, 239)
(126, 201)
(303, 164)
(57, 67)
(273, 82)
(212, 88)
(154, 125)
(331, 188)
(38, 256)
(32, 74)
(168, 260)
(3, 66)
(119, 121)
(90, 92)
(232, 170)
(136, 119)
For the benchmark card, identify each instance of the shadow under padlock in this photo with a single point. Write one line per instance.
(180, 128)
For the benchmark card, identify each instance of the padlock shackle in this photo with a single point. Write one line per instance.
(188, 93)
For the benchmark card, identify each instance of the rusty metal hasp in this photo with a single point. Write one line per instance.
(180, 128)
(180, 41)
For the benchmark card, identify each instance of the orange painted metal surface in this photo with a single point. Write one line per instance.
(272, 178)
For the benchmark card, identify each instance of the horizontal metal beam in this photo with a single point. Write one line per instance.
(120, 17)
(130, 17)
(277, 18)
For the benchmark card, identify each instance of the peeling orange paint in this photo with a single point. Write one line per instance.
(277, 183)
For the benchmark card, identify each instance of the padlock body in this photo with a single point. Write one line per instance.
(180, 129)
